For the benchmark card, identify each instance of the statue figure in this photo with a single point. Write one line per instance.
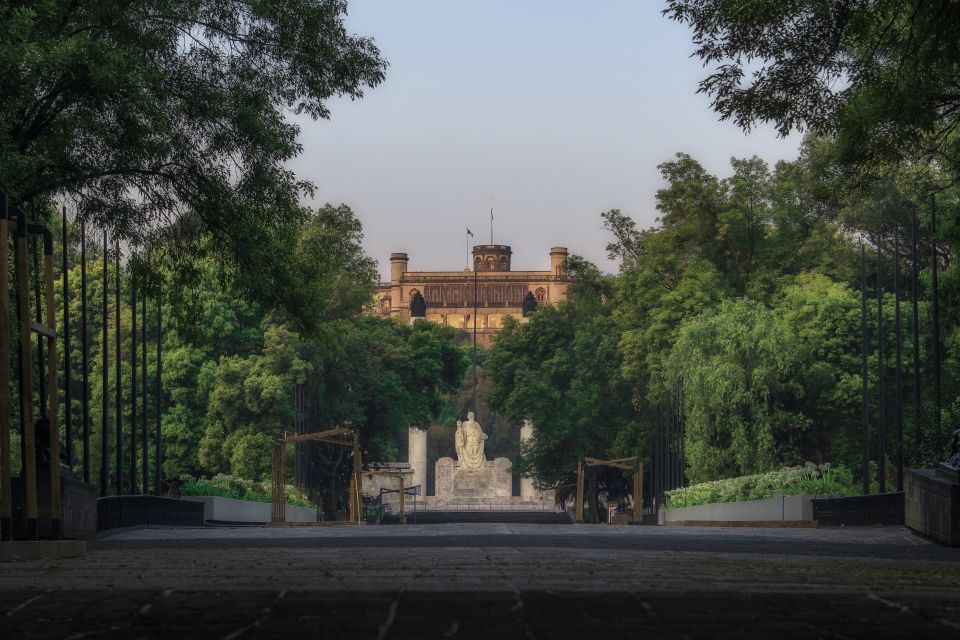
(458, 440)
(469, 443)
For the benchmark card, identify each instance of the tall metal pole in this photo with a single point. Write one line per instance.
(474, 400)
(144, 435)
(118, 387)
(133, 379)
(683, 436)
(25, 363)
(6, 455)
(935, 299)
(53, 400)
(865, 453)
(296, 430)
(38, 301)
(105, 383)
(656, 454)
(676, 437)
(899, 371)
(667, 449)
(881, 382)
(156, 435)
(917, 409)
(67, 396)
(84, 356)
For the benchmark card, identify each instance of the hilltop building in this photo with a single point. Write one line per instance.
(447, 297)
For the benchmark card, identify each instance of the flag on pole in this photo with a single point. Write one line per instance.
(491, 213)
(469, 233)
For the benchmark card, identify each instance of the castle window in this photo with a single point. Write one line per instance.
(491, 263)
(418, 306)
(541, 294)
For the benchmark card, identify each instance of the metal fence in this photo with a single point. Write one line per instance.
(881, 508)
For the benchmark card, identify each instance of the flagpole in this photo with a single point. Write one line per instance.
(491, 225)
(474, 399)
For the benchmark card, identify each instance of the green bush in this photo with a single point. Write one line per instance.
(821, 479)
(225, 486)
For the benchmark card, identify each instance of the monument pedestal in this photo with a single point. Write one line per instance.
(932, 503)
(492, 480)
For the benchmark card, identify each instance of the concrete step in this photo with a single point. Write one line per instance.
(499, 517)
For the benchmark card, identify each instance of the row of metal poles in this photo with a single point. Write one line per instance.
(934, 365)
(33, 435)
(668, 447)
(139, 398)
(306, 471)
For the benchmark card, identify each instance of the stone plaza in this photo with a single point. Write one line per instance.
(490, 581)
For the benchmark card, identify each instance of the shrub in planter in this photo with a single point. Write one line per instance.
(823, 479)
(225, 486)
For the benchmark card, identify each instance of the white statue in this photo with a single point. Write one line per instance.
(469, 442)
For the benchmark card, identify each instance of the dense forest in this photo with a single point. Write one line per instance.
(747, 294)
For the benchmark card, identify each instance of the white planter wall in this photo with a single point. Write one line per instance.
(230, 510)
(779, 508)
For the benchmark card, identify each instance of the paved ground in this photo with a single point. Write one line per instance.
(496, 581)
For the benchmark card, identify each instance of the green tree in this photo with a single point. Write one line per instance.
(561, 369)
(380, 377)
(739, 366)
(249, 405)
(147, 112)
(880, 75)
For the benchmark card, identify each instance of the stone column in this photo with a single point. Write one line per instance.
(398, 266)
(417, 457)
(527, 490)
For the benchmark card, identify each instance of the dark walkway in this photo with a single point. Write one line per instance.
(490, 581)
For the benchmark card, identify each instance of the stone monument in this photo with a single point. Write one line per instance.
(472, 477)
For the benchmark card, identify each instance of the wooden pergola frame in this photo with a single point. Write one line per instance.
(397, 473)
(279, 470)
(633, 463)
(27, 328)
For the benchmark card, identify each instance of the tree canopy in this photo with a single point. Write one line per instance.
(153, 113)
(744, 294)
(882, 76)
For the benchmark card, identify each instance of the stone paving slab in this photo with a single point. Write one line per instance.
(271, 614)
(511, 581)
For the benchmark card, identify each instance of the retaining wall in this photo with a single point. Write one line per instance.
(217, 509)
(779, 508)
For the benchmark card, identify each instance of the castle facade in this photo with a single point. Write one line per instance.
(491, 287)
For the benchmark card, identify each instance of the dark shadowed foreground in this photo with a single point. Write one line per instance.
(490, 581)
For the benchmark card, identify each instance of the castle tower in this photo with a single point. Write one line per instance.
(491, 257)
(398, 266)
(558, 255)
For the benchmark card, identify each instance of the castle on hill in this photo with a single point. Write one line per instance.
(450, 297)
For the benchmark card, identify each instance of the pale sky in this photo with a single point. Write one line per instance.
(550, 111)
